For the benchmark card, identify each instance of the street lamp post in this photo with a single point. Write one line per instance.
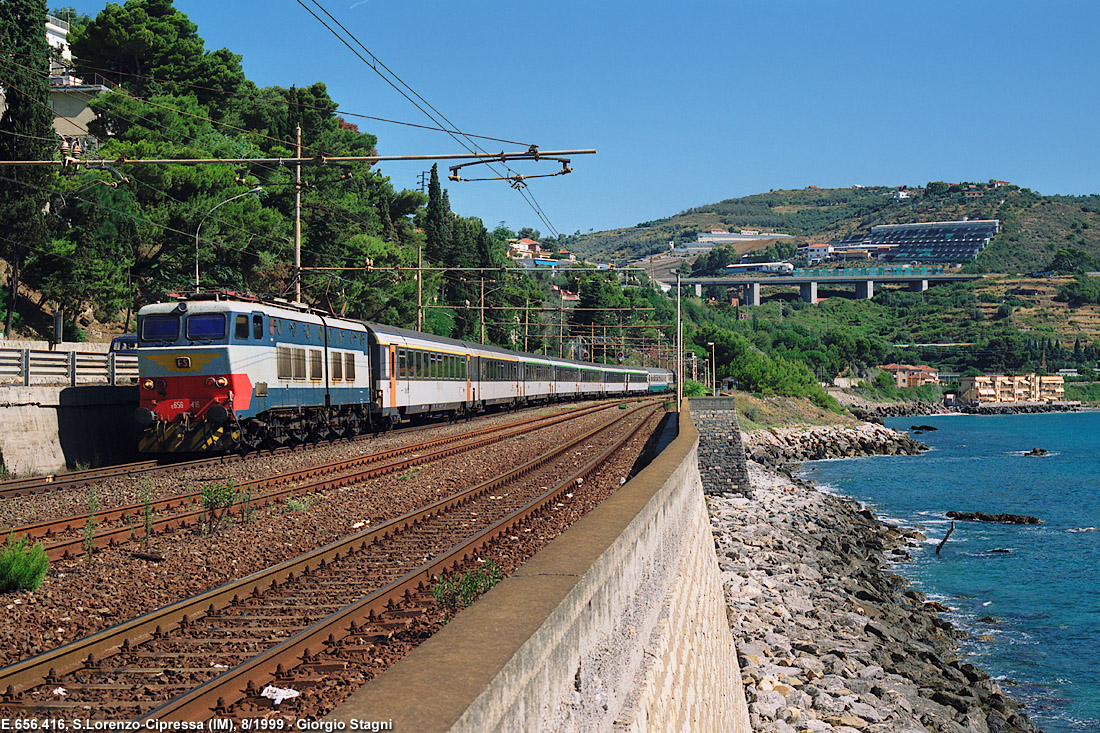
(713, 370)
(257, 189)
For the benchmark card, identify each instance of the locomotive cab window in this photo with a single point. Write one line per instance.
(206, 327)
(257, 326)
(240, 328)
(160, 328)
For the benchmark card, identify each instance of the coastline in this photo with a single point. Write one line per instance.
(828, 637)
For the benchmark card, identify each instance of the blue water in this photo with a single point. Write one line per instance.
(1044, 594)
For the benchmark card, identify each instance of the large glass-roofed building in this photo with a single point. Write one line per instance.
(937, 241)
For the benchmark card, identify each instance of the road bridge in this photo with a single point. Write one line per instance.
(862, 278)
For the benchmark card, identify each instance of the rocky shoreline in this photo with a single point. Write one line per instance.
(828, 638)
(781, 447)
(879, 412)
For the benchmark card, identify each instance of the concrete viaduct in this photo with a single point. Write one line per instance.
(863, 280)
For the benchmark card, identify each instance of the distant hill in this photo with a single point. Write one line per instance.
(1033, 227)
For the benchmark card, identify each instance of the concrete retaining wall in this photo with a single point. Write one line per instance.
(619, 624)
(48, 429)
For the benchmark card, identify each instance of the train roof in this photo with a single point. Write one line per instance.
(205, 301)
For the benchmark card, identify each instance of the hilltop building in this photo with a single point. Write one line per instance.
(934, 241)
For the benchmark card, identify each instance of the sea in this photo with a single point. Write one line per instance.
(1029, 595)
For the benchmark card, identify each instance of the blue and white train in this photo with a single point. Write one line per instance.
(221, 371)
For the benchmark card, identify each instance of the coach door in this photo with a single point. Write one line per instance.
(406, 360)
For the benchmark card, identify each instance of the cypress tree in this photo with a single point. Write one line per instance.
(26, 133)
(435, 219)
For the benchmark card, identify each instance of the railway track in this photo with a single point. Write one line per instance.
(17, 487)
(137, 521)
(299, 622)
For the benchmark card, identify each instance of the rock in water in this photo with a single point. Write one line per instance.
(1002, 518)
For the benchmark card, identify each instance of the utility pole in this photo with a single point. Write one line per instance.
(482, 310)
(419, 290)
(526, 320)
(561, 324)
(423, 179)
(298, 220)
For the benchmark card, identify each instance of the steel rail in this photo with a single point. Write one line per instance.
(54, 527)
(217, 695)
(47, 667)
(52, 482)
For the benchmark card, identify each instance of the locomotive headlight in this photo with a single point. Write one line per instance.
(148, 384)
(221, 381)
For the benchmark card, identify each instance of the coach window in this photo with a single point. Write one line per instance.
(316, 365)
(402, 364)
(337, 366)
(257, 326)
(299, 364)
(349, 367)
(240, 328)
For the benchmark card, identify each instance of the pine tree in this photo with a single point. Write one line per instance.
(26, 133)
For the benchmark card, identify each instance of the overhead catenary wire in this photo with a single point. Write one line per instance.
(341, 112)
(471, 146)
(167, 195)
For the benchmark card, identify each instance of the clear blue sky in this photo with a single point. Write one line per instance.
(695, 102)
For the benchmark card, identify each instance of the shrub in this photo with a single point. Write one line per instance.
(22, 568)
(458, 593)
(216, 498)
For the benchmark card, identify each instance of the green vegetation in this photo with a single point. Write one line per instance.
(22, 567)
(91, 501)
(300, 504)
(114, 238)
(145, 493)
(1083, 392)
(692, 388)
(1083, 290)
(762, 413)
(885, 389)
(216, 500)
(1033, 227)
(458, 593)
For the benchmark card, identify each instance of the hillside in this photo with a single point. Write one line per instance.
(1034, 227)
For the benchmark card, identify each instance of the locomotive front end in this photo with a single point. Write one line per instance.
(189, 396)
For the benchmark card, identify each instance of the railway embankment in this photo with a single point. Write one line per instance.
(620, 623)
